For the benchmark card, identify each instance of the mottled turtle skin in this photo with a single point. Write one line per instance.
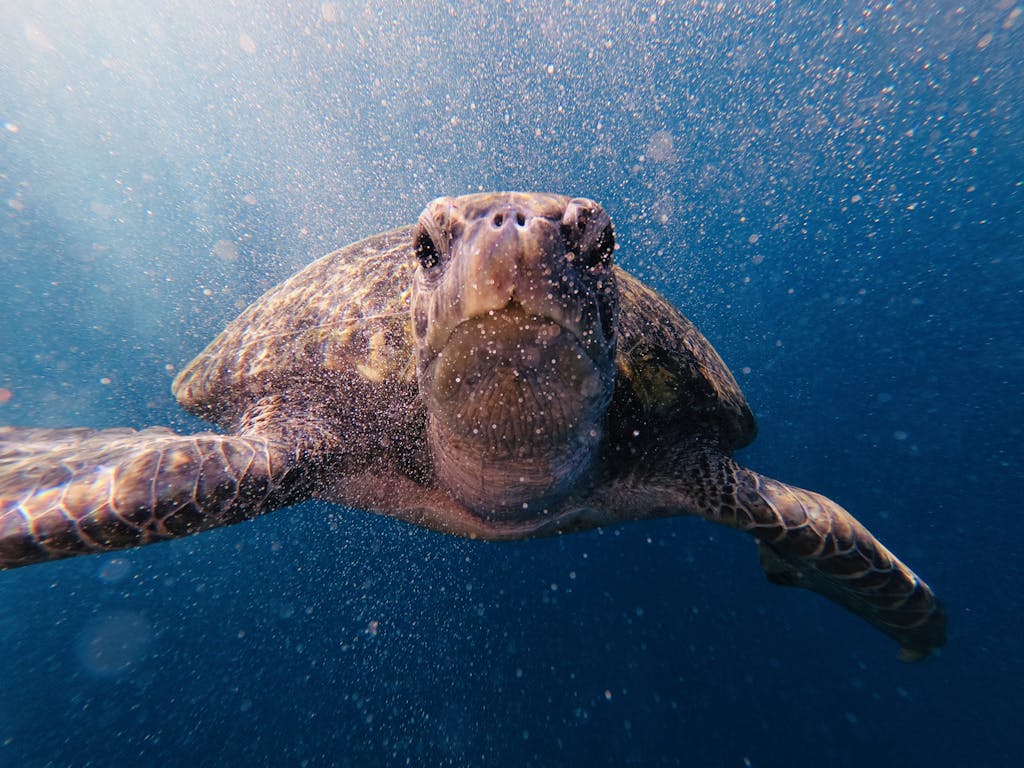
(487, 372)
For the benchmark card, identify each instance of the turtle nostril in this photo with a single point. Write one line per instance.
(500, 219)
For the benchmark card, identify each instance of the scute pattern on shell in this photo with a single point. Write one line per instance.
(346, 313)
(675, 374)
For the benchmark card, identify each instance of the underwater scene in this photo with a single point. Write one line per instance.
(832, 192)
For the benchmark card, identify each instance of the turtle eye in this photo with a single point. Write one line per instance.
(604, 246)
(426, 252)
(584, 235)
(597, 253)
(574, 224)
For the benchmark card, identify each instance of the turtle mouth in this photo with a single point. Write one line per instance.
(511, 328)
(512, 359)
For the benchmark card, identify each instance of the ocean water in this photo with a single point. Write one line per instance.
(832, 191)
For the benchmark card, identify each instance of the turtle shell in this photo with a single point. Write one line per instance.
(343, 324)
(669, 376)
(340, 324)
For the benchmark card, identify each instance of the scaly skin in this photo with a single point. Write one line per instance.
(806, 540)
(78, 491)
(66, 492)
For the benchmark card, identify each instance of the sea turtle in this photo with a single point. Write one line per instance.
(487, 372)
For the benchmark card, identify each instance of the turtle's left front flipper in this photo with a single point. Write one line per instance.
(66, 492)
(805, 540)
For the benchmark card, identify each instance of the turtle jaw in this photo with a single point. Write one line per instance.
(515, 414)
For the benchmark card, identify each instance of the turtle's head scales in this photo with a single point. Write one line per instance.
(548, 255)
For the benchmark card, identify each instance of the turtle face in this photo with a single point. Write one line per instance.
(514, 318)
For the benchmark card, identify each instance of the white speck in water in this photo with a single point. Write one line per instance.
(114, 643)
(329, 13)
(114, 570)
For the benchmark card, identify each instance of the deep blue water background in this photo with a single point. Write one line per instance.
(833, 192)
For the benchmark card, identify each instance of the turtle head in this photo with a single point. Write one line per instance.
(514, 313)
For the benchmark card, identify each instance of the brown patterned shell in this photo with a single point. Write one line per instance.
(345, 318)
(674, 372)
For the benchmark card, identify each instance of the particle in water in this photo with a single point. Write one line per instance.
(329, 13)
(114, 643)
(246, 43)
(115, 570)
(225, 250)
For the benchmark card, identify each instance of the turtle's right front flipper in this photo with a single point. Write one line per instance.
(67, 492)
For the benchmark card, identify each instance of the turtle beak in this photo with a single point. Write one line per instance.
(510, 261)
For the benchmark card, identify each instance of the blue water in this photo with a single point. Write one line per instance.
(833, 192)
